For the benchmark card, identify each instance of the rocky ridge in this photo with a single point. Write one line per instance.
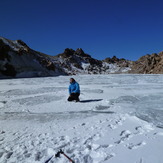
(149, 64)
(17, 59)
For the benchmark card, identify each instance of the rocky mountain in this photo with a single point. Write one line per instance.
(123, 63)
(78, 62)
(17, 59)
(148, 64)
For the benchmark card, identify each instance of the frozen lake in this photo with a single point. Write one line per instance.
(36, 109)
(141, 95)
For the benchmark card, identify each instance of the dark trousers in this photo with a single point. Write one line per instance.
(74, 96)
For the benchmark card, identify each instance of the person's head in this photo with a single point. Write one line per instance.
(72, 80)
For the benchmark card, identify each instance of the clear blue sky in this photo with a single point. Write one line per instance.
(102, 28)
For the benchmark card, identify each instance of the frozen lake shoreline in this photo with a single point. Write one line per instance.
(36, 120)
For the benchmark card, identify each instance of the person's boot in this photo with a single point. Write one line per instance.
(77, 100)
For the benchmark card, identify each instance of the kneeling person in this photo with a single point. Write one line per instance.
(74, 90)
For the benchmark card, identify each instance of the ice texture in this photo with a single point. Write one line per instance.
(119, 119)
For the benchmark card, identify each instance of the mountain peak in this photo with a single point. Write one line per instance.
(79, 51)
(16, 45)
(19, 60)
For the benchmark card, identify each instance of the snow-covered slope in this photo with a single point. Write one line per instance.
(18, 60)
(36, 121)
(15, 45)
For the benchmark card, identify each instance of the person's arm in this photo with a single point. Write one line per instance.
(77, 88)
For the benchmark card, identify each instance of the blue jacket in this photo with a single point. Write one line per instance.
(74, 88)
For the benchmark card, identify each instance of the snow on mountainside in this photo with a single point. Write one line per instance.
(78, 62)
(19, 60)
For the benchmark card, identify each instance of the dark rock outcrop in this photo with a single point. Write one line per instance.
(120, 62)
(8, 70)
(73, 61)
(4, 51)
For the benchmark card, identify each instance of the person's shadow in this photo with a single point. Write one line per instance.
(91, 100)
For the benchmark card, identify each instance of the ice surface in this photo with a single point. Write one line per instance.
(114, 122)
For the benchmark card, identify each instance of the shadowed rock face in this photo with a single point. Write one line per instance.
(9, 70)
(17, 58)
(149, 64)
(6, 68)
(4, 49)
(24, 60)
